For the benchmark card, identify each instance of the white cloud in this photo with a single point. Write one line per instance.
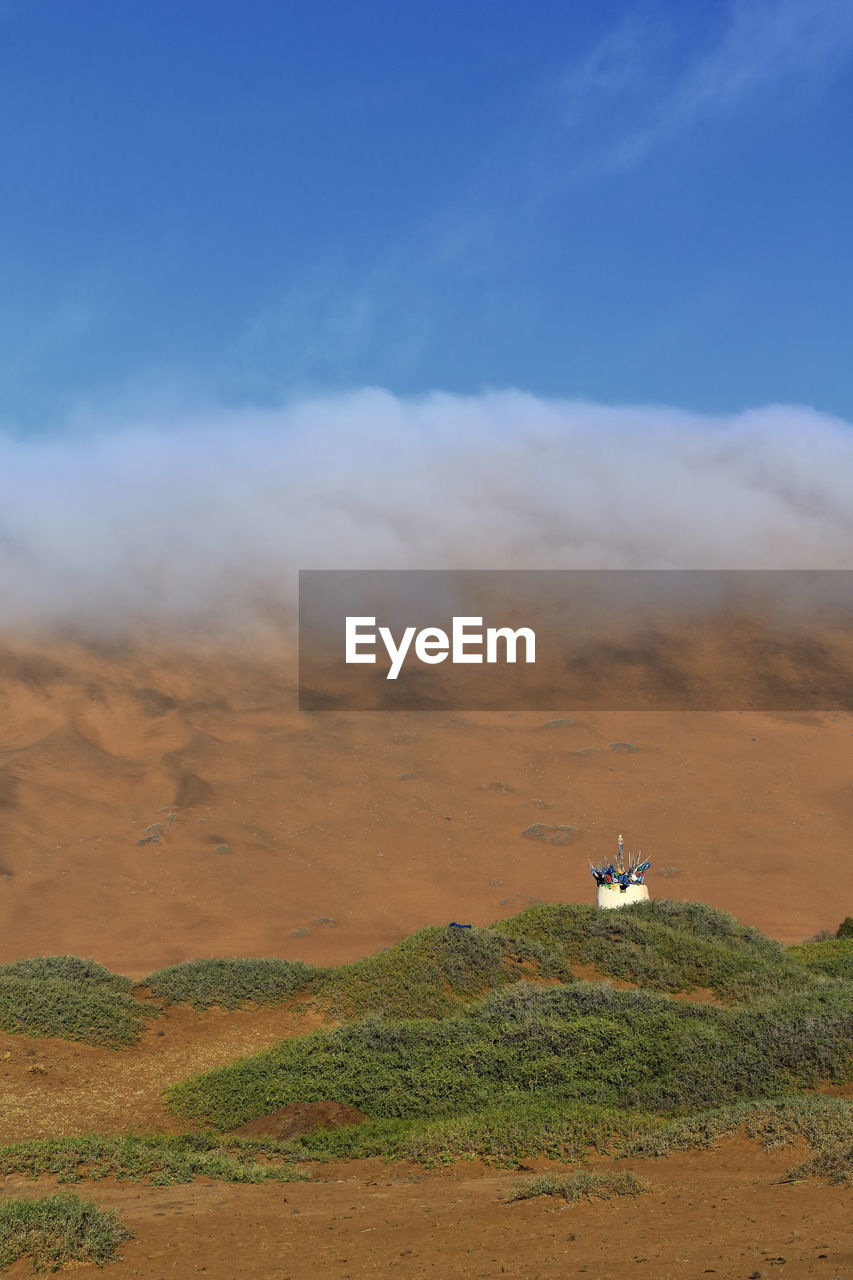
(207, 517)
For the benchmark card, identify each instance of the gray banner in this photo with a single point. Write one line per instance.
(610, 640)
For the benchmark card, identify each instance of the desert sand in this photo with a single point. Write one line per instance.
(162, 802)
(723, 1214)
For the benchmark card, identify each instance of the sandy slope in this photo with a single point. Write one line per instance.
(346, 831)
(52, 1088)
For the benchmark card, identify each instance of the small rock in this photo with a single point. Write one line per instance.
(299, 933)
(623, 746)
(565, 723)
(222, 848)
(323, 920)
(503, 787)
(403, 777)
(587, 751)
(155, 839)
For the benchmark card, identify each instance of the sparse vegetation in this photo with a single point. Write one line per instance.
(502, 1135)
(231, 983)
(162, 1160)
(834, 1164)
(583, 1185)
(822, 1122)
(56, 1232)
(545, 1126)
(92, 1011)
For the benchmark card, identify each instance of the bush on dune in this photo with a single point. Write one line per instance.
(231, 983)
(69, 969)
(58, 1232)
(93, 1012)
(560, 1130)
(822, 1122)
(430, 973)
(665, 945)
(584, 1042)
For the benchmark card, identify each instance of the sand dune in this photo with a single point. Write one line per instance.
(160, 802)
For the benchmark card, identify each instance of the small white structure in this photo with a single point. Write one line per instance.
(618, 884)
(613, 895)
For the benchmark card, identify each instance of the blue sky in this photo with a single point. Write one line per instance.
(628, 202)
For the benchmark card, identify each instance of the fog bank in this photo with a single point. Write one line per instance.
(204, 518)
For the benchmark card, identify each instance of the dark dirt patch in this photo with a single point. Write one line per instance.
(550, 835)
(300, 1118)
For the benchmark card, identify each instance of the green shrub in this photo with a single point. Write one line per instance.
(845, 929)
(832, 956)
(582, 1185)
(586, 1042)
(834, 1164)
(69, 968)
(94, 1012)
(56, 1231)
(230, 983)
(431, 972)
(162, 1160)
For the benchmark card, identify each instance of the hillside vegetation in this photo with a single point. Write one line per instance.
(483, 1040)
(484, 1033)
(583, 1042)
